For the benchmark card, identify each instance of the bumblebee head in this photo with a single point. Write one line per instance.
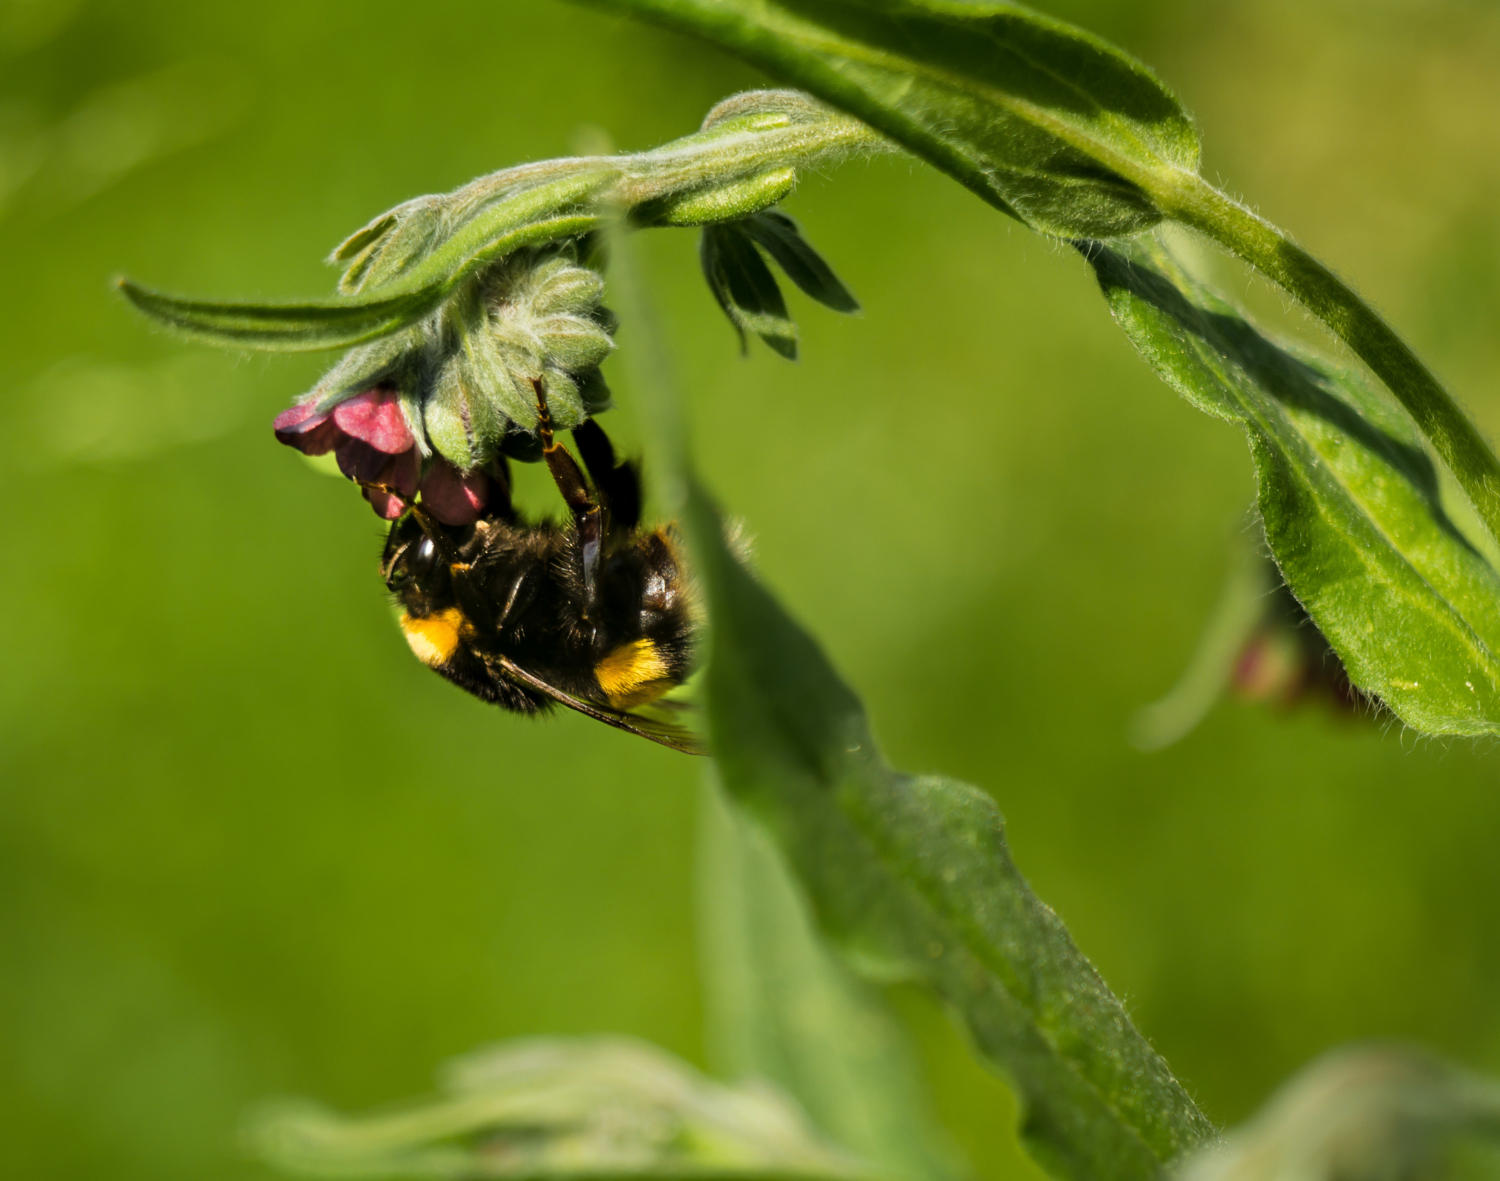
(413, 567)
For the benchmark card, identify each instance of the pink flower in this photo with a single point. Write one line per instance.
(373, 444)
(452, 497)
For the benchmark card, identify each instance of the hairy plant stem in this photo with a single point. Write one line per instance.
(1196, 203)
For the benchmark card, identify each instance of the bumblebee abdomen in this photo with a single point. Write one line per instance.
(635, 673)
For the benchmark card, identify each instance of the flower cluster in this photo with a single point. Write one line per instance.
(428, 410)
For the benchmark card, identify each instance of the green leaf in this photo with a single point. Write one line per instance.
(780, 1007)
(1271, 251)
(1042, 120)
(340, 323)
(360, 250)
(316, 325)
(559, 1108)
(779, 236)
(745, 288)
(911, 876)
(1064, 132)
(1366, 1113)
(1351, 502)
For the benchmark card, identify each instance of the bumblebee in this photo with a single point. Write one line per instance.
(596, 614)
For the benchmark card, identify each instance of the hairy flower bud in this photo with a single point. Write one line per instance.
(460, 388)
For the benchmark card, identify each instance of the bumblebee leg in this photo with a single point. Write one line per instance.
(522, 592)
(568, 477)
(618, 484)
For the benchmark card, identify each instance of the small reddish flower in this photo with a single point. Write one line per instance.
(452, 497)
(373, 444)
(1286, 660)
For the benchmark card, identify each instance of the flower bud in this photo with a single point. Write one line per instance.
(573, 343)
(560, 287)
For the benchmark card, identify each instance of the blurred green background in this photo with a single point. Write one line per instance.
(249, 846)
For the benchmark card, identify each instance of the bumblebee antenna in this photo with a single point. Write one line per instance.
(385, 570)
(429, 525)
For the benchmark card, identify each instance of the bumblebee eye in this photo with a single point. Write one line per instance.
(421, 558)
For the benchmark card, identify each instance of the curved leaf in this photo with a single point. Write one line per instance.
(341, 323)
(291, 327)
(912, 876)
(1050, 124)
(1351, 502)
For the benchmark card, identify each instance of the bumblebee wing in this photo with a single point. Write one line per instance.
(666, 733)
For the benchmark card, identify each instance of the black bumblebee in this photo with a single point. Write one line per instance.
(597, 614)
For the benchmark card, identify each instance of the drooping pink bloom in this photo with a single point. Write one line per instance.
(452, 497)
(373, 444)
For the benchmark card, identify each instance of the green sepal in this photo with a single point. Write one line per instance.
(573, 342)
(365, 366)
(745, 288)
(446, 415)
(362, 240)
(564, 402)
(416, 228)
(501, 374)
(360, 250)
(561, 286)
(779, 236)
(717, 203)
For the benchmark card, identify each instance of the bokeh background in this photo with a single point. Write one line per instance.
(248, 846)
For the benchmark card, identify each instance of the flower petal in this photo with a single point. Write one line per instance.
(358, 460)
(399, 474)
(452, 497)
(374, 417)
(309, 432)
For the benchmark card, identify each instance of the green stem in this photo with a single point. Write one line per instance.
(1196, 203)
